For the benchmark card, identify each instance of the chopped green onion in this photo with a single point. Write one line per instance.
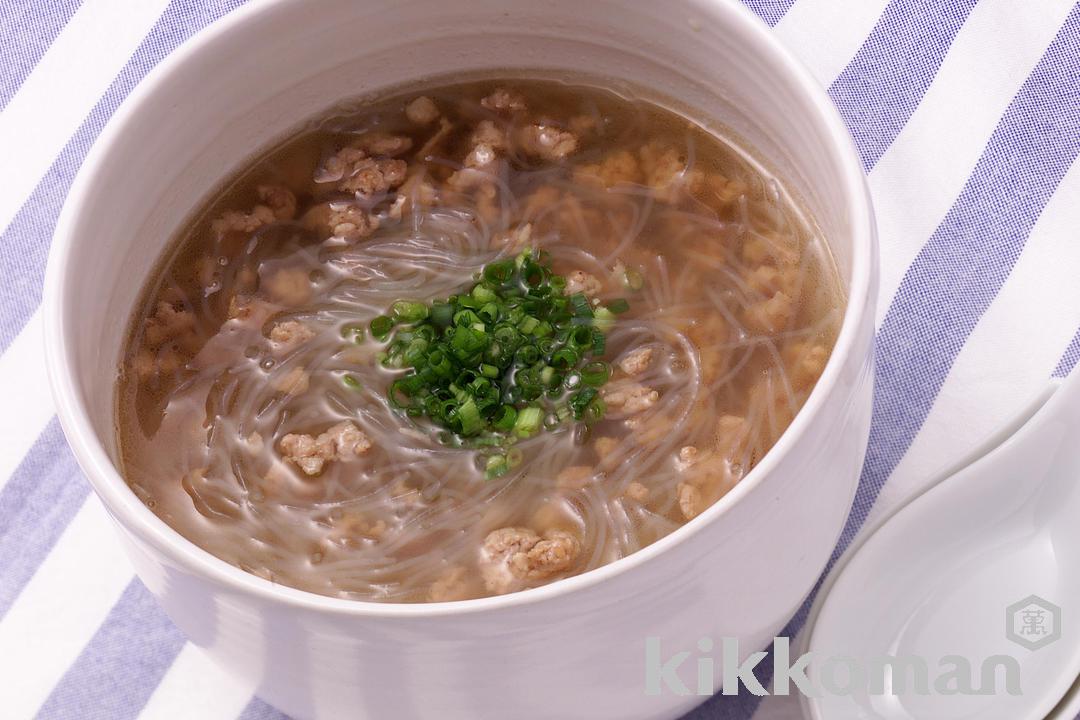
(499, 272)
(514, 456)
(381, 327)
(466, 318)
(596, 373)
(506, 419)
(580, 305)
(564, 357)
(580, 400)
(528, 325)
(441, 314)
(484, 294)
(599, 344)
(603, 319)
(469, 417)
(594, 411)
(495, 466)
(351, 382)
(489, 312)
(581, 337)
(499, 361)
(528, 421)
(408, 311)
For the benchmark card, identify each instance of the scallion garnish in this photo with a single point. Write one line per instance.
(381, 327)
(497, 363)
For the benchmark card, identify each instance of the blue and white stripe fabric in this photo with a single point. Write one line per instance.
(966, 114)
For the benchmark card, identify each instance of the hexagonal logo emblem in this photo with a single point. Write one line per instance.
(1033, 622)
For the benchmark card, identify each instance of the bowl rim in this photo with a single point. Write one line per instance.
(135, 518)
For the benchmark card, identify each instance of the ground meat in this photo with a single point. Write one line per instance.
(452, 585)
(154, 363)
(768, 280)
(582, 282)
(687, 457)
(574, 477)
(382, 144)
(546, 142)
(691, 502)
(707, 476)
(637, 492)
(648, 428)
(487, 141)
(605, 448)
(631, 398)
(540, 201)
(289, 335)
(422, 111)
(351, 529)
(512, 558)
(371, 176)
(490, 134)
(234, 221)
(805, 363)
(761, 249)
(343, 220)
(294, 382)
(255, 443)
(418, 192)
(340, 442)
(504, 101)
(584, 124)
(481, 157)
(396, 208)
(355, 171)
(617, 167)
(723, 190)
(731, 436)
(168, 323)
(636, 361)
(289, 286)
(707, 334)
(340, 164)
(351, 222)
(280, 200)
(405, 494)
(665, 170)
(769, 316)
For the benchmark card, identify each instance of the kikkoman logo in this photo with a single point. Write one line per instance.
(1032, 623)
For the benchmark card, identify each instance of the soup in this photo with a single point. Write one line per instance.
(467, 341)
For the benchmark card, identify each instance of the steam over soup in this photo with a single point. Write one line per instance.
(459, 344)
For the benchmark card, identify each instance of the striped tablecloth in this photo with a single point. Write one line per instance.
(967, 118)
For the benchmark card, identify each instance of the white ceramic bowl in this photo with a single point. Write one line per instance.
(571, 649)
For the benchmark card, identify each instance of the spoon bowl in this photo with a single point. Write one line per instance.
(947, 610)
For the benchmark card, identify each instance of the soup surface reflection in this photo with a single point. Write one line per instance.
(461, 343)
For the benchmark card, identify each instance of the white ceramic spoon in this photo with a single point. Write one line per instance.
(937, 578)
(1069, 707)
